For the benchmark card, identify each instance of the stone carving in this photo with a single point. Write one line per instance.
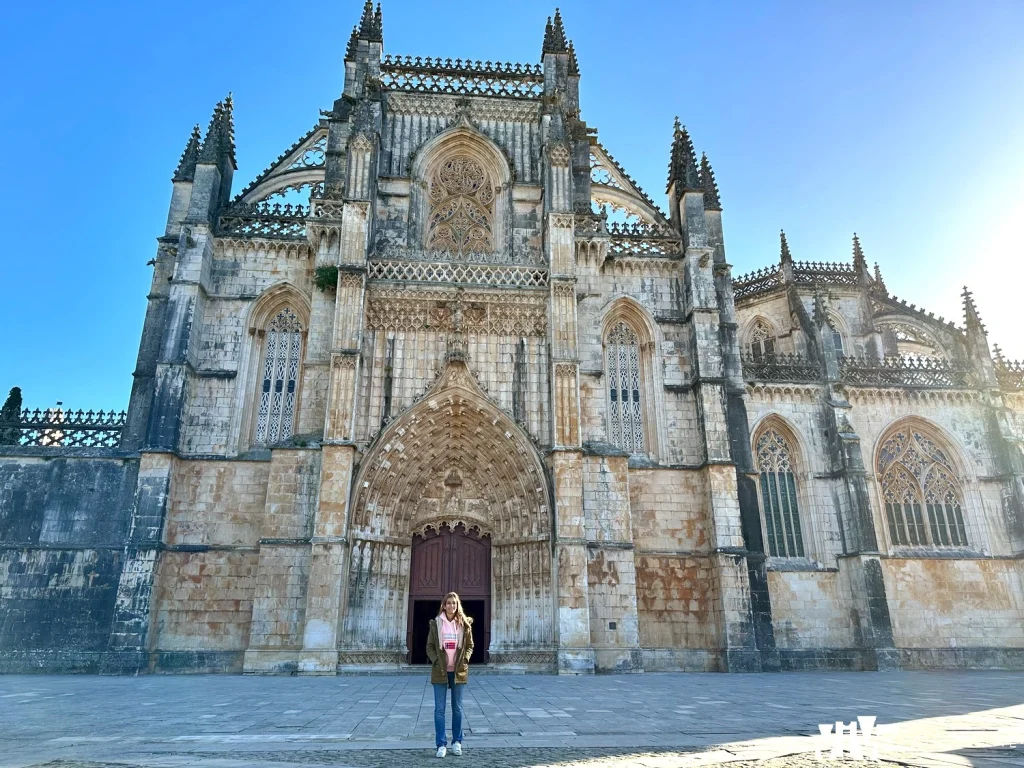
(461, 207)
(396, 309)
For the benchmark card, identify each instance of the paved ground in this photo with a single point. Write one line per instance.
(938, 720)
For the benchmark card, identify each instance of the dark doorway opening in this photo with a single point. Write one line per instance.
(443, 561)
(423, 611)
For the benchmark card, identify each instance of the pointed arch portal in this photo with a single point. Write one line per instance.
(455, 469)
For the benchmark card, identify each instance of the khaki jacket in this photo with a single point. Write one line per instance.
(438, 659)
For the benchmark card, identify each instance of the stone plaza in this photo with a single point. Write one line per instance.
(931, 719)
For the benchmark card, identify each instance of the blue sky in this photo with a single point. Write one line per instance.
(900, 121)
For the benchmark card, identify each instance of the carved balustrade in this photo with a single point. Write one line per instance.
(781, 368)
(905, 372)
(56, 427)
(461, 77)
(273, 221)
(825, 273)
(759, 281)
(1010, 374)
(643, 239)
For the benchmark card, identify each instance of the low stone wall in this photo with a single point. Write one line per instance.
(63, 524)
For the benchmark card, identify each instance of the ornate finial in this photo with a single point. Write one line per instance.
(858, 254)
(554, 35)
(972, 320)
(219, 144)
(709, 185)
(878, 278)
(682, 168)
(353, 45)
(786, 256)
(371, 24)
(998, 353)
(574, 64)
(186, 170)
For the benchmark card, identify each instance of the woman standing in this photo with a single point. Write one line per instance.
(449, 646)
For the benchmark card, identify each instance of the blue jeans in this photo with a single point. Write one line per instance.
(440, 699)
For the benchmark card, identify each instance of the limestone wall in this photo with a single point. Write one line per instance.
(63, 524)
(955, 603)
(811, 609)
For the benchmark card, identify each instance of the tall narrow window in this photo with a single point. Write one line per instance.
(778, 495)
(461, 207)
(282, 353)
(922, 493)
(762, 341)
(626, 428)
(837, 340)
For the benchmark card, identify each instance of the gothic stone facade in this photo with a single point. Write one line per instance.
(479, 357)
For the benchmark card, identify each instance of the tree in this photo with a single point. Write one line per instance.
(10, 417)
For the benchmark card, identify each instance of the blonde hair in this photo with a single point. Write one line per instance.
(460, 617)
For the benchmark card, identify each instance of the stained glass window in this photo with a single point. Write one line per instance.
(921, 492)
(778, 495)
(282, 352)
(626, 428)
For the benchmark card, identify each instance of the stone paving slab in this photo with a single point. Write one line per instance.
(933, 720)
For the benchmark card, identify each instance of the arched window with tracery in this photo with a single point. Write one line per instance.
(761, 343)
(922, 492)
(461, 216)
(625, 404)
(282, 358)
(779, 505)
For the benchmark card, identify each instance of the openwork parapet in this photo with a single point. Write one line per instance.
(760, 281)
(274, 221)
(1010, 374)
(643, 239)
(783, 368)
(905, 372)
(56, 427)
(461, 77)
(826, 273)
(447, 272)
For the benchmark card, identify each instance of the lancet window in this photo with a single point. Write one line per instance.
(282, 357)
(922, 492)
(778, 495)
(625, 407)
(762, 341)
(461, 216)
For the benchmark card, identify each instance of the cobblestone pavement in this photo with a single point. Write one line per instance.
(931, 719)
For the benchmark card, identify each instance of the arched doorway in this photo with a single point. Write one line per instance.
(449, 560)
(452, 461)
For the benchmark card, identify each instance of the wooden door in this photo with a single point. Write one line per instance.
(449, 561)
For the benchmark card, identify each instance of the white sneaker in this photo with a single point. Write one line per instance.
(457, 748)
(442, 751)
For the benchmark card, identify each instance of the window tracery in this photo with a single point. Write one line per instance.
(279, 382)
(921, 491)
(761, 344)
(778, 495)
(461, 207)
(626, 428)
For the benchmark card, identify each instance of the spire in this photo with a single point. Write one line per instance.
(371, 24)
(353, 45)
(574, 64)
(786, 256)
(219, 143)
(378, 23)
(971, 318)
(186, 170)
(878, 278)
(858, 255)
(554, 35)
(682, 168)
(709, 185)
